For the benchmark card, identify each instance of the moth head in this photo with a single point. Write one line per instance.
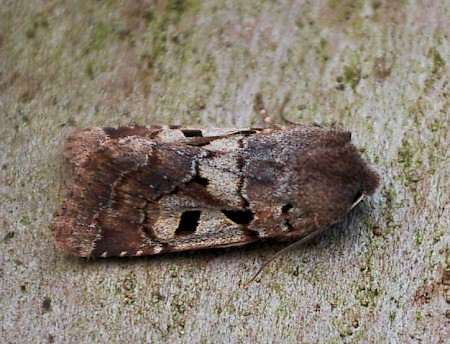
(330, 176)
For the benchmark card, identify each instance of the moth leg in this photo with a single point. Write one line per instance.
(286, 100)
(260, 108)
(280, 253)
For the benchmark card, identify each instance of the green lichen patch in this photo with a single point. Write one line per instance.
(352, 76)
(322, 50)
(411, 160)
(162, 23)
(438, 62)
(418, 237)
(344, 11)
(437, 69)
(25, 220)
(367, 295)
(439, 232)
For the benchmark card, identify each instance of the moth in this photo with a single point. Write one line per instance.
(147, 190)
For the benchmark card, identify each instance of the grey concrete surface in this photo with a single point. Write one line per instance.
(377, 68)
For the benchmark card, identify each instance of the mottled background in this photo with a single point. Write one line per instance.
(377, 68)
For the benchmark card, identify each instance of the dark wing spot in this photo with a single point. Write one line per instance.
(192, 132)
(117, 133)
(188, 222)
(200, 180)
(238, 216)
(285, 208)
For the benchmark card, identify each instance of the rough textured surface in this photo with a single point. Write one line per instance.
(377, 68)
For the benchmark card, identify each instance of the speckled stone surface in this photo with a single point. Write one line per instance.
(379, 69)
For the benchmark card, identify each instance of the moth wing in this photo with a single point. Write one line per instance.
(137, 194)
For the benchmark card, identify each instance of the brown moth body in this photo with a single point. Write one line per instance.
(150, 190)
